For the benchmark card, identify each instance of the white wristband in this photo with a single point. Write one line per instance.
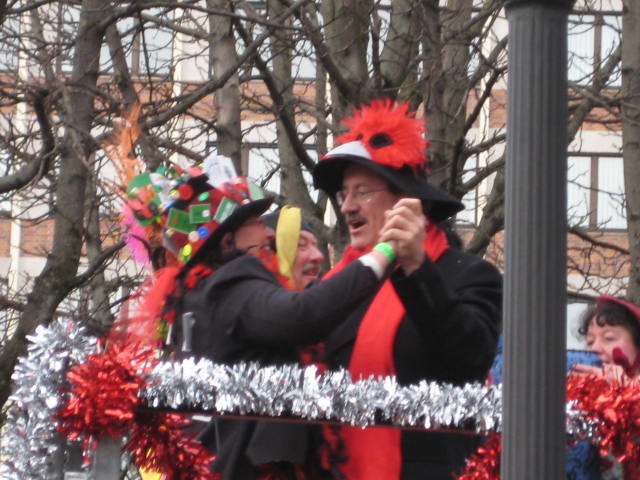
(369, 261)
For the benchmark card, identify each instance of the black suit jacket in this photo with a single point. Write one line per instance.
(243, 314)
(449, 334)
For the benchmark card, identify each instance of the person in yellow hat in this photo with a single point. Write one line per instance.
(296, 247)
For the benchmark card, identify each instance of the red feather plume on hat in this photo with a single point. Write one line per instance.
(391, 135)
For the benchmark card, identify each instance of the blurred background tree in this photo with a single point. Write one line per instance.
(267, 83)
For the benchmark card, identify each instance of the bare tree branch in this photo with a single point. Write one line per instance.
(582, 234)
(38, 166)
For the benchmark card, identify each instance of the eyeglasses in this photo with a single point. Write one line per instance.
(359, 195)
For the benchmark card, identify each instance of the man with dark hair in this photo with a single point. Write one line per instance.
(229, 301)
(244, 309)
(438, 314)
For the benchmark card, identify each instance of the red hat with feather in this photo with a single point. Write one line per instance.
(389, 140)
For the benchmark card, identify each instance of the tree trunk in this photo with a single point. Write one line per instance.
(227, 99)
(400, 48)
(58, 277)
(446, 87)
(292, 186)
(631, 137)
(346, 33)
(100, 317)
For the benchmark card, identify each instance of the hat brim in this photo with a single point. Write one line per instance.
(240, 215)
(439, 205)
(634, 309)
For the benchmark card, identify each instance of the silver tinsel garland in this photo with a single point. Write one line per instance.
(299, 392)
(290, 391)
(29, 439)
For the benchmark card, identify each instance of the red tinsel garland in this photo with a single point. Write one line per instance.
(158, 443)
(612, 405)
(103, 401)
(485, 463)
(104, 394)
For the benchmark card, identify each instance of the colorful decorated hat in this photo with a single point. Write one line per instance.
(387, 139)
(195, 208)
(142, 217)
(202, 214)
(149, 193)
(634, 309)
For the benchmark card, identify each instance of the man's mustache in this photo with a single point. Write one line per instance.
(354, 217)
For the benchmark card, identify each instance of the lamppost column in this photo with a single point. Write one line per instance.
(535, 242)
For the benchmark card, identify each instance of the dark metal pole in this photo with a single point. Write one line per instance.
(535, 242)
(106, 461)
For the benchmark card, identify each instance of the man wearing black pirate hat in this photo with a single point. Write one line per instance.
(436, 318)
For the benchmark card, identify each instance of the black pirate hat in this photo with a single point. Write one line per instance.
(387, 139)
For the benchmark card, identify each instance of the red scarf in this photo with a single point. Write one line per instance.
(270, 261)
(374, 453)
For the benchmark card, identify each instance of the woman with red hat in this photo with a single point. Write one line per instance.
(612, 330)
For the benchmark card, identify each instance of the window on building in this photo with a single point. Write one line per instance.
(9, 40)
(575, 310)
(591, 40)
(611, 34)
(303, 60)
(58, 25)
(595, 193)
(469, 215)
(148, 44)
(261, 161)
(610, 203)
(64, 27)
(579, 191)
(264, 166)
(5, 198)
(152, 45)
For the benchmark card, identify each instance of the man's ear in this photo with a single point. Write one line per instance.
(227, 243)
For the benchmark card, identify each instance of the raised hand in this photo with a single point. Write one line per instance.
(404, 229)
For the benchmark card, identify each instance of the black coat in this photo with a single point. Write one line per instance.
(243, 314)
(449, 334)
